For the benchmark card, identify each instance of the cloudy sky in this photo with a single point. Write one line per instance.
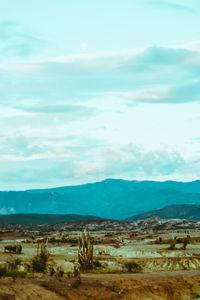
(98, 89)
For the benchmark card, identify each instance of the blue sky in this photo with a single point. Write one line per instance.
(97, 89)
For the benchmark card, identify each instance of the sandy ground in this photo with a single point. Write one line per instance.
(181, 285)
(156, 282)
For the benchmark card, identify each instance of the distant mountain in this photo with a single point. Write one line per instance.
(189, 212)
(158, 224)
(36, 219)
(146, 225)
(110, 199)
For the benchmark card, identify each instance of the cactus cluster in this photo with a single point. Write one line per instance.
(85, 251)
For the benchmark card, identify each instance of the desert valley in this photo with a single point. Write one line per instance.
(150, 258)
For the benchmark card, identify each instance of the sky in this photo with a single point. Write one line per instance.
(98, 89)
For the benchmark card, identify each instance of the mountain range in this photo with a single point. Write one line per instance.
(187, 211)
(111, 198)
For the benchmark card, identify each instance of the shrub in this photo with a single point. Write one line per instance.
(133, 267)
(45, 285)
(16, 274)
(39, 262)
(12, 273)
(76, 284)
(12, 263)
(97, 264)
(2, 271)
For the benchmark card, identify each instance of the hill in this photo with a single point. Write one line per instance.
(190, 212)
(110, 199)
(35, 219)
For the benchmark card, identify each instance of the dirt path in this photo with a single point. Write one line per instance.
(177, 285)
(150, 275)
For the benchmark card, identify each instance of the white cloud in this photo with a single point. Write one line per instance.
(84, 46)
(138, 95)
(79, 113)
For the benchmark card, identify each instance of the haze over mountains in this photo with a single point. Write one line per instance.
(111, 198)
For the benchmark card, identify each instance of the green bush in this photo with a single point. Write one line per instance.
(133, 267)
(12, 273)
(2, 271)
(16, 274)
(12, 263)
(39, 262)
(45, 285)
(97, 264)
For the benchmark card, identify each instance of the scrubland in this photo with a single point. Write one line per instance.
(125, 265)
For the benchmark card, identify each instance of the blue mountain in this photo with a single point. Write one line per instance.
(111, 198)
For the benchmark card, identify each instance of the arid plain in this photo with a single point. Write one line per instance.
(126, 263)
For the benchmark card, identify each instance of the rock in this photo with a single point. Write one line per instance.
(21, 268)
(68, 267)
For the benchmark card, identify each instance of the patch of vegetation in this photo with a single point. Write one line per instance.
(97, 264)
(104, 271)
(45, 285)
(16, 274)
(13, 263)
(12, 273)
(3, 271)
(39, 262)
(133, 267)
(76, 284)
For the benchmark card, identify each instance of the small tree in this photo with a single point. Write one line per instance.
(13, 263)
(173, 244)
(186, 241)
(85, 251)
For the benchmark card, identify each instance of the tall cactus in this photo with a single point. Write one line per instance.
(85, 251)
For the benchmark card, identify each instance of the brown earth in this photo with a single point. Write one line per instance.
(13, 235)
(180, 285)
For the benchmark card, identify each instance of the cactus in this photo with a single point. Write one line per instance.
(39, 262)
(173, 244)
(85, 252)
(185, 242)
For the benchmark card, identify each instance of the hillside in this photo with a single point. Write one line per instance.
(44, 218)
(111, 198)
(190, 212)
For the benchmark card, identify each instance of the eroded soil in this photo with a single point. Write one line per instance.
(181, 285)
